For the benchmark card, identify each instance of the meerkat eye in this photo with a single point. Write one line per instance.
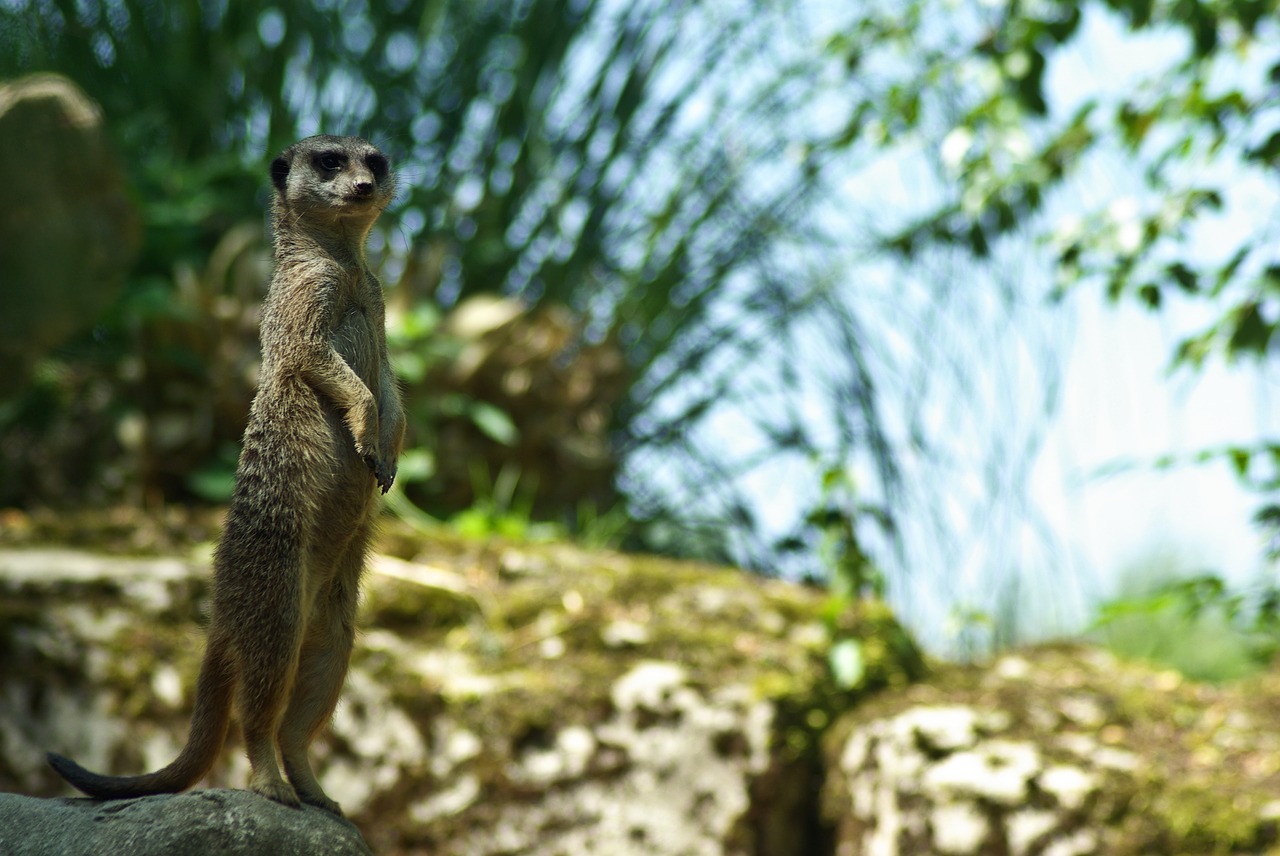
(377, 165)
(330, 162)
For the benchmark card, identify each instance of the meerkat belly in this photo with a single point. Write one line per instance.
(348, 497)
(344, 494)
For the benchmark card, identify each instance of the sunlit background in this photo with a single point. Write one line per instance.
(965, 304)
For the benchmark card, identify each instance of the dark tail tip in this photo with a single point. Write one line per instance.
(64, 767)
(170, 780)
(85, 781)
(77, 776)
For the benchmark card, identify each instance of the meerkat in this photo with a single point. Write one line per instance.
(324, 433)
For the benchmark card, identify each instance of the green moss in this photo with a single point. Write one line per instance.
(1205, 824)
(526, 643)
(1207, 758)
(410, 607)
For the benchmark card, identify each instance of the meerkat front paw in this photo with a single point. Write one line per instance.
(381, 472)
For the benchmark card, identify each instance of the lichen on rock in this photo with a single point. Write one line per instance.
(488, 708)
(489, 712)
(226, 822)
(1056, 751)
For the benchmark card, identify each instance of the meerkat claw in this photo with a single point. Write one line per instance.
(380, 474)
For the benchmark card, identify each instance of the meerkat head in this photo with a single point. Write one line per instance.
(332, 178)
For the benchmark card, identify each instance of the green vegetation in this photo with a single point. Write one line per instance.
(1018, 155)
(742, 267)
(1194, 623)
(569, 155)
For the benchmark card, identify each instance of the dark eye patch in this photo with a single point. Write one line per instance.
(377, 165)
(330, 161)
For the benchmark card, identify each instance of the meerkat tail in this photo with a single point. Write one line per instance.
(214, 691)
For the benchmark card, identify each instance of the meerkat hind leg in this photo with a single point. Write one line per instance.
(322, 669)
(260, 745)
(267, 679)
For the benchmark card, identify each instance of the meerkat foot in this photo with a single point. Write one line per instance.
(321, 801)
(281, 792)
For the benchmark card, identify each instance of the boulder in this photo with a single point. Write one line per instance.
(225, 822)
(1062, 751)
(68, 231)
(540, 699)
(503, 698)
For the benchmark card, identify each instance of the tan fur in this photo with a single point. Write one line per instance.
(324, 433)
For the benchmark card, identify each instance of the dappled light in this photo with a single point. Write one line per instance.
(843, 424)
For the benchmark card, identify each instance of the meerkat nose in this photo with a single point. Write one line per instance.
(363, 188)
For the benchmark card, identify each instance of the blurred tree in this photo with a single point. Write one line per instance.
(1158, 184)
(808, 256)
(648, 165)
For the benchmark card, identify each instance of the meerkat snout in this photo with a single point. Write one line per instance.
(367, 176)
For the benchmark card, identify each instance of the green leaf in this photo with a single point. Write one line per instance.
(1271, 279)
(1268, 151)
(1239, 460)
(1030, 86)
(416, 465)
(493, 422)
(1252, 333)
(1228, 271)
(1184, 276)
(1204, 29)
(215, 483)
(847, 666)
(1150, 294)
(1117, 610)
(410, 366)
(1134, 124)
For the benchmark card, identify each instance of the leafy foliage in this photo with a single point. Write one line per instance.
(1154, 185)
(680, 176)
(1197, 624)
(610, 157)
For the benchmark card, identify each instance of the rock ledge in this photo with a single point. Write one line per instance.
(222, 821)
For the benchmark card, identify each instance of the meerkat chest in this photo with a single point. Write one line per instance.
(355, 334)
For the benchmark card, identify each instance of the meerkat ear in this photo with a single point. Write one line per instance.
(280, 170)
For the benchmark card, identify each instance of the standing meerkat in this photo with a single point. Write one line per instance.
(324, 434)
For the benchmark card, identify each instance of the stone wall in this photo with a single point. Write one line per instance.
(502, 699)
(1060, 751)
(540, 699)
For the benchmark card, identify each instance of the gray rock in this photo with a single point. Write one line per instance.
(68, 231)
(222, 822)
(487, 712)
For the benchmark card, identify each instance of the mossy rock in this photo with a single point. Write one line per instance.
(1059, 750)
(503, 697)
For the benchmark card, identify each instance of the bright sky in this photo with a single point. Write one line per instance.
(1120, 404)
